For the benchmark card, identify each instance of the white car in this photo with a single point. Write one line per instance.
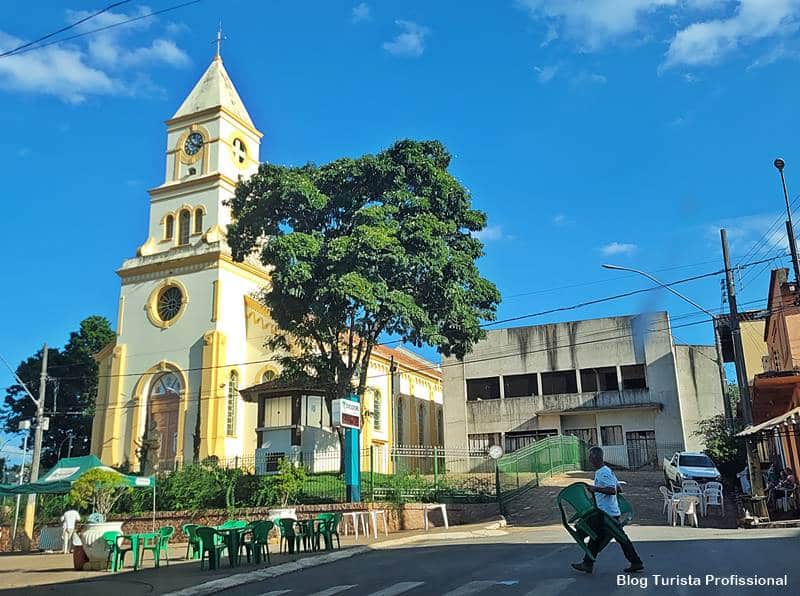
(690, 465)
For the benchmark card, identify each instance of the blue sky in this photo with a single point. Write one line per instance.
(588, 131)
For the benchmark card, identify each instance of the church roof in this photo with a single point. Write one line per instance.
(214, 89)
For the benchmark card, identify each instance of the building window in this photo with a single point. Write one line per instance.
(421, 422)
(520, 439)
(479, 443)
(520, 385)
(587, 435)
(377, 411)
(198, 221)
(267, 376)
(233, 399)
(611, 435)
(170, 301)
(183, 227)
(440, 427)
(479, 389)
(633, 377)
(555, 383)
(400, 422)
(169, 227)
(599, 379)
(239, 151)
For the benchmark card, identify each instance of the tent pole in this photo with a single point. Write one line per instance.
(154, 503)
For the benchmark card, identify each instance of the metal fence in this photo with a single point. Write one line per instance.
(639, 455)
(524, 468)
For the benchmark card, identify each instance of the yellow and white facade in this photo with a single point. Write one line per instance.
(190, 332)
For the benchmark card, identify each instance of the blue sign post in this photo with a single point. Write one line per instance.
(352, 461)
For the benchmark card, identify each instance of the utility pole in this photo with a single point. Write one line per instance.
(30, 509)
(753, 462)
(23, 425)
(780, 164)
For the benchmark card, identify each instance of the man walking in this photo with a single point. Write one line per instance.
(605, 489)
(68, 521)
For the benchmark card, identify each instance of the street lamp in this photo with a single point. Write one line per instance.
(26, 426)
(779, 165)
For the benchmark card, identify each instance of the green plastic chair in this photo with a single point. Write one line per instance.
(116, 553)
(232, 523)
(288, 534)
(578, 497)
(330, 529)
(323, 517)
(208, 544)
(581, 501)
(192, 542)
(258, 546)
(159, 544)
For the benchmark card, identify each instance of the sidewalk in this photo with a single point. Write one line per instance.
(42, 573)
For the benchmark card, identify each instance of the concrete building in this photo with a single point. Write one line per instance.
(618, 382)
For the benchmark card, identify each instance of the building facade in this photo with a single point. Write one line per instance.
(619, 382)
(190, 333)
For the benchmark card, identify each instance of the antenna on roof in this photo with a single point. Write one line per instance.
(218, 39)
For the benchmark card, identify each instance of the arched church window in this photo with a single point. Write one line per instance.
(233, 399)
(198, 221)
(183, 227)
(400, 422)
(377, 410)
(169, 227)
(170, 301)
(166, 384)
(268, 375)
(421, 424)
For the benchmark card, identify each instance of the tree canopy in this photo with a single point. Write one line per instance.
(381, 244)
(72, 385)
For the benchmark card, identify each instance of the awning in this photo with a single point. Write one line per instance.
(772, 423)
(59, 478)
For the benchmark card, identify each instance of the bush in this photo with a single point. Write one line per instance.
(723, 446)
(99, 489)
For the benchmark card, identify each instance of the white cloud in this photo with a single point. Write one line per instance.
(550, 36)
(361, 12)
(618, 248)
(589, 78)
(545, 74)
(776, 54)
(101, 64)
(707, 42)
(55, 70)
(593, 23)
(560, 219)
(490, 233)
(410, 42)
(747, 231)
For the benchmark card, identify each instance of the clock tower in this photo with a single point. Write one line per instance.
(189, 333)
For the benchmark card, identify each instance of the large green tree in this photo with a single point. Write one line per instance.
(72, 386)
(380, 245)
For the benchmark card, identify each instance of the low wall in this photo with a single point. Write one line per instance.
(408, 516)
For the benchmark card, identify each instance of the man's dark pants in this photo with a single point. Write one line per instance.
(603, 538)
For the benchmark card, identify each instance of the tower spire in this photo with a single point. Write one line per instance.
(218, 41)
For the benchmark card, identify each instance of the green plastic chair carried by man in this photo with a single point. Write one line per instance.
(192, 542)
(158, 545)
(116, 553)
(209, 544)
(584, 512)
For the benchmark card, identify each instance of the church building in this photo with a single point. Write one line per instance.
(190, 332)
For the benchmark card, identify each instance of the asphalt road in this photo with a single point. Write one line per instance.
(536, 561)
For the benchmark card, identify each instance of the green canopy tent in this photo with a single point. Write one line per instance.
(60, 478)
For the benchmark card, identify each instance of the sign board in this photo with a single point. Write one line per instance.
(346, 413)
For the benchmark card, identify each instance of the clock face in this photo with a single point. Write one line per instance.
(193, 144)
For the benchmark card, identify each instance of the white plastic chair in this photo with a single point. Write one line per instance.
(712, 497)
(685, 507)
(691, 488)
(665, 492)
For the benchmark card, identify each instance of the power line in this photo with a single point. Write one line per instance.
(16, 52)
(67, 28)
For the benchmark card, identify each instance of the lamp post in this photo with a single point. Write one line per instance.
(779, 165)
(26, 426)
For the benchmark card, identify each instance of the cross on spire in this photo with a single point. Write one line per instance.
(218, 39)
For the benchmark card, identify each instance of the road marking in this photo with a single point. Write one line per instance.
(551, 587)
(398, 588)
(474, 587)
(275, 593)
(333, 590)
